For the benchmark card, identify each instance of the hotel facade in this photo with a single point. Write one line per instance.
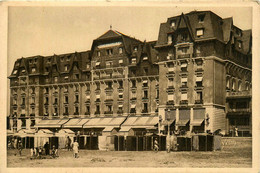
(195, 78)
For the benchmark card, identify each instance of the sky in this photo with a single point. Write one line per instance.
(57, 30)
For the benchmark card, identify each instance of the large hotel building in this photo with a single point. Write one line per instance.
(196, 78)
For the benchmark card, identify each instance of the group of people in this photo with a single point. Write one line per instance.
(38, 152)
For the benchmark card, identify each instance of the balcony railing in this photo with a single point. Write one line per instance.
(108, 112)
(170, 102)
(239, 110)
(239, 94)
(184, 56)
(198, 101)
(184, 102)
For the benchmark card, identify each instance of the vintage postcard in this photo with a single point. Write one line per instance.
(126, 86)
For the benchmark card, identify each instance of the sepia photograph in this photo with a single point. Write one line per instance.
(129, 86)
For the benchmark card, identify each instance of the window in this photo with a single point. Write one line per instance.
(23, 100)
(33, 70)
(199, 95)
(120, 95)
(23, 123)
(184, 36)
(200, 32)
(56, 110)
(49, 60)
(109, 108)
(76, 76)
(62, 59)
(97, 64)
(66, 67)
(23, 70)
(183, 96)
(120, 50)
(145, 58)
(66, 77)
(120, 61)
(239, 85)
(199, 64)
(109, 84)
(66, 99)
(66, 110)
(145, 94)
(76, 109)
(239, 44)
(133, 72)
(33, 99)
(56, 79)
(170, 97)
(97, 108)
(184, 66)
(98, 53)
(145, 70)
(109, 51)
(247, 86)
(76, 98)
(227, 83)
(88, 109)
(133, 61)
(32, 123)
(198, 81)
(173, 23)
(183, 50)
(135, 48)
(201, 18)
(184, 82)
(109, 64)
(15, 72)
(170, 83)
(30, 61)
(170, 68)
(87, 97)
(68, 58)
(133, 94)
(169, 39)
(233, 84)
(133, 83)
(198, 49)
(56, 101)
(87, 66)
(97, 86)
(145, 106)
(120, 84)
(145, 83)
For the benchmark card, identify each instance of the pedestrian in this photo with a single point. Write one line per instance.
(47, 148)
(15, 143)
(75, 148)
(54, 152)
(40, 152)
(9, 145)
(68, 143)
(236, 132)
(32, 153)
(156, 145)
(20, 147)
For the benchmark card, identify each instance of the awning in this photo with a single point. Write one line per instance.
(25, 133)
(108, 129)
(165, 122)
(182, 122)
(125, 129)
(199, 78)
(55, 123)
(184, 65)
(104, 122)
(197, 122)
(65, 132)
(76, 123)
(141, 122)
(44, 133)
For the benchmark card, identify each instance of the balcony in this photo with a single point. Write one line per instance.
(170, 74)
(197, 54)
(87, 101)
(145, 99)
(239, 110)
(199, 69)
(97, 101)
(239, 94)
(109, 90)
(170, 102)
(132, 110)
(120, 112)
(133, 88)
(97, 113)
(120, 89)
(183, 102)
(109, 100)
(65, 114)
(170, 89)
(198, 101)
(32, 115)
(145, 111)
(108, 112)
(87, 113)
(184, 86)
(184, 56)
(97, 91)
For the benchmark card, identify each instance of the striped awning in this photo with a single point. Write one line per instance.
(76, 122)
(104, 122)
(55, 123)
(182, 122)
(197, 122)
(141, 122)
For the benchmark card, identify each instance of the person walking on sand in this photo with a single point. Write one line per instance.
(47, 148)
(75, 148)
(69, 143)
(20, 147)
(156, 145)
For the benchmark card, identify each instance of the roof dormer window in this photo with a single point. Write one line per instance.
(66, 67)
(98, 53)
(145, 58)
(201, 18)
(33, 70)
(173, 23)
(120, 50)
(239, 44)
(170, 39)
(15, 72)
(200, 32)
(23, 70)
(109, 51)
(135, 48)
